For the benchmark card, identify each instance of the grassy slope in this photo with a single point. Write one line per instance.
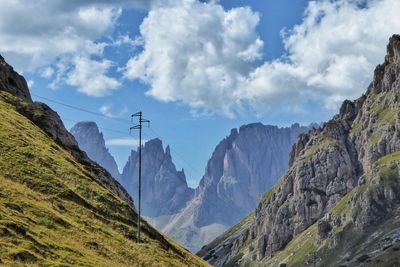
(53, 212)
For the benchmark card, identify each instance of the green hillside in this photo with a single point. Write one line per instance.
(53, 212)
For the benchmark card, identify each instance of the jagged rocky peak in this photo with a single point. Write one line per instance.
(341, 186)
(393, 50)
(241, 168)
(12, 82)
(164, 189)
(91, 140)
(243, 165)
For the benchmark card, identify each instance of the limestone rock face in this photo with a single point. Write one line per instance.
(343, 178)
(91, 140)
(241, 168)
(164, 189)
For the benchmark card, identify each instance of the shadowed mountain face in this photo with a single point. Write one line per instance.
(91, 141)
(241, 168)
(338, 204)
(164, 189)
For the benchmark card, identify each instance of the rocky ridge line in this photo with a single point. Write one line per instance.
(338, 179)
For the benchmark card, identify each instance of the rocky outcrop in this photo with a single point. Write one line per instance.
(49, 121)
(342, 181)
(164, 189)
(12, 82)
(91, 140)
(241, 168)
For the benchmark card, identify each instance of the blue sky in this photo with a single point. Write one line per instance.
(196, 69)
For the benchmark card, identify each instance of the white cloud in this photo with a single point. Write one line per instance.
(47, 73)
(205, 57)
(30, 83)
(126, 40)
(89, 76)
(196, 53)
(129, 141)
(35, 33)
(107, 111)
(60, 36)
(330, 56)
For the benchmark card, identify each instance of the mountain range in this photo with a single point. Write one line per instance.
(338, 203)
(241, 168)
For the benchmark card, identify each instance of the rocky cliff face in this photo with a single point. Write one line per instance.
(241, 168)
(12, 82)
(49, 121)
(164, 189)
(338, 201)
(91, 140)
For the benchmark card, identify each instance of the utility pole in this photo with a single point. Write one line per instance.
(139, 127)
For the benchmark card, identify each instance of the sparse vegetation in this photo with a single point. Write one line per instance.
(325, 142)
(386, 115)
(268, 195)
(298, 250)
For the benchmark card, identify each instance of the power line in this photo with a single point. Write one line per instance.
(115, 131)
(80, 109)
(181, 159)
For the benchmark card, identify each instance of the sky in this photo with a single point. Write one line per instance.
(196, 69)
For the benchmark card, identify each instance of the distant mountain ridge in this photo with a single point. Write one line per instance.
(91, 140)
(241, 168)
(164, 189)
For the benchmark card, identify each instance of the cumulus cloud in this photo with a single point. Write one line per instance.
(59, 37)
(208, 58)
(330, 55)
(49, 29)
(196, 53)
(89, 76)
